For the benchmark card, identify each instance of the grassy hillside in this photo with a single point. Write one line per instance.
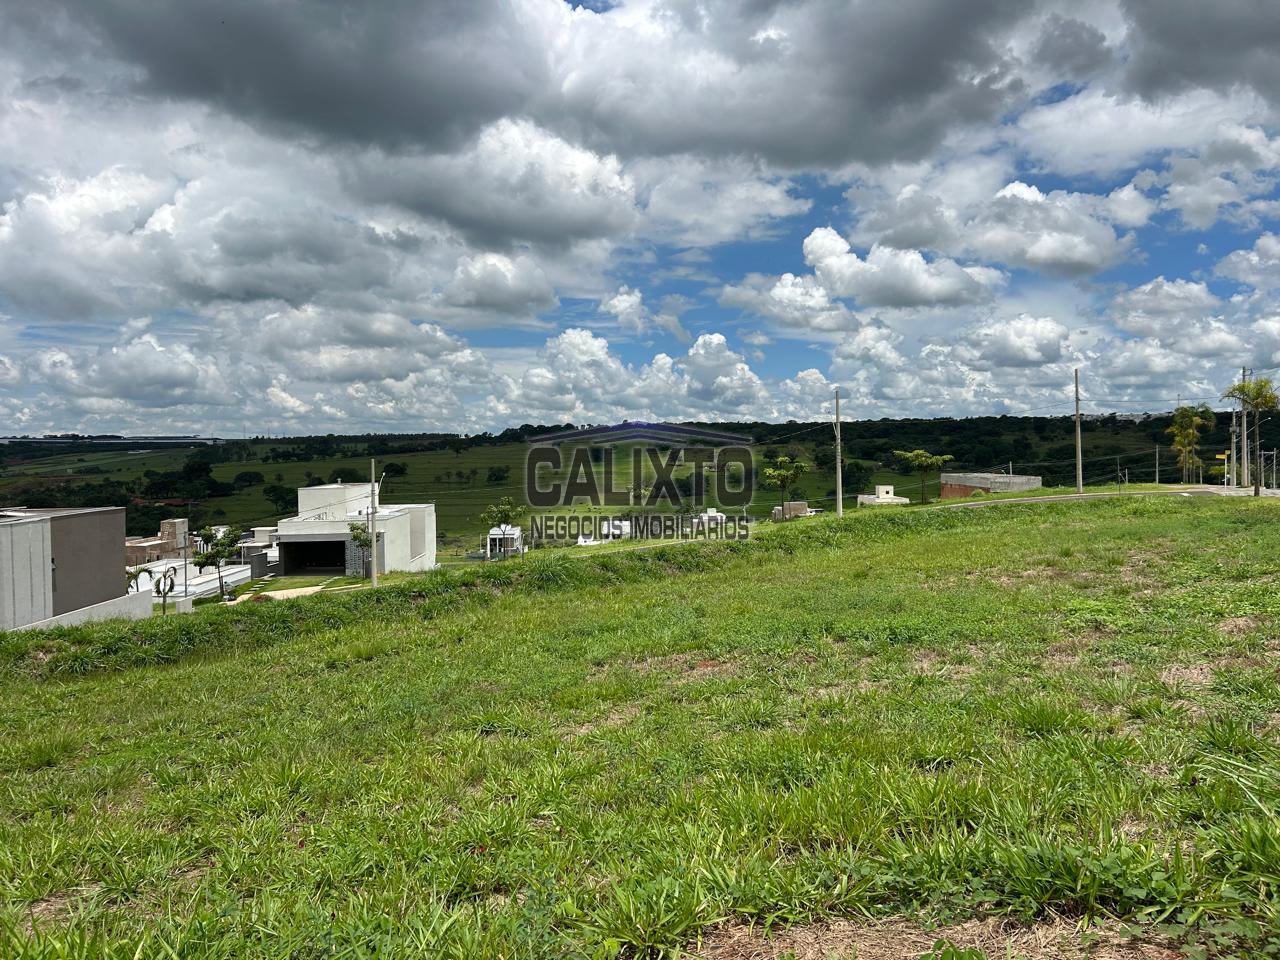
(1033, 712)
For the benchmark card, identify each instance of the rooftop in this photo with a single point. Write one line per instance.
(18, 514)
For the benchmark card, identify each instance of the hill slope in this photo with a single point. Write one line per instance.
(1063, 709)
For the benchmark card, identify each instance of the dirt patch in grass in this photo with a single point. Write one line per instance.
(1190, 674)
(901, 940)
(931, 662)
(1201, 674)
(56, 908)
(619, 716)
(1234, 626)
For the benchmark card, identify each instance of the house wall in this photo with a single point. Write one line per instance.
(336, 501)
(425, 548)
(408, 541)
(87, 550)
(26, 590)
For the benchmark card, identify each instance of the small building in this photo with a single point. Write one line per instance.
(790, 510)
(318, 540)
(883, 497)
(64, 566)
(615, 528)
(709, 519)
(168, 544)
(966, 484)
(504, 541)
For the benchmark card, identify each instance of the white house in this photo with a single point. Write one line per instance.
(506, 540)
(318, 539)
(882, 497)
(709, 519)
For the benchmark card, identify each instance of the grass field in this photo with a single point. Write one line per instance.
(1048, 714)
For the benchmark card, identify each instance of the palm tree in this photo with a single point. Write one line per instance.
(1256, 396)
(132, 578)
(1185, 430)
(924, 463)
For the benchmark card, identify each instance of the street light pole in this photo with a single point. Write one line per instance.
(839, 462)
(1079, 459)
(373, 523)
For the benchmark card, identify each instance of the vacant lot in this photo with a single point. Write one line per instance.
(1008, 723)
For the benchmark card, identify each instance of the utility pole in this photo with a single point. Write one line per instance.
(373, 522)
(839, 462)
(1232, 459)
(1157, 463)
(1244, 434)
(1119, 482)
(1079, 457)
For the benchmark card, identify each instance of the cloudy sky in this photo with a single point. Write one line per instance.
(311, 215)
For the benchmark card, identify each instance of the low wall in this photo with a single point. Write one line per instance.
(967, 484)
(132, 606)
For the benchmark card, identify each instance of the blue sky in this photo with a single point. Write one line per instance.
(527, 210)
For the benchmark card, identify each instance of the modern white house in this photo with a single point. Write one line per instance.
(883, 497)
(318, 539)
(504, 541)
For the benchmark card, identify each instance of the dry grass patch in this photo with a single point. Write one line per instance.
(1234, 626)
(619, 716)
(902, 940)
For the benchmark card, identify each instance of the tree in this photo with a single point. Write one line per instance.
(1257, 396)
(1188, 421)
(363, 540)
(284, 499)
(248, 478)
(924, 463)
(132, 578)
(504, 513)
(857, 476)
(346, 475)
(396, 469)
(217, 551)
(783, 475)
(498, 474)
(165, 586)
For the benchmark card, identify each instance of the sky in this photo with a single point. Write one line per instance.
(251, 217)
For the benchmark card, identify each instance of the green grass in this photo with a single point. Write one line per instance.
(1060, 709)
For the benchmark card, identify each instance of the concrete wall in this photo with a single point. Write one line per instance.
(333, 500)
(26, 572)
(966, 484)
(132, 606)
(88, 557)
(394, 537)
(175, 530)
